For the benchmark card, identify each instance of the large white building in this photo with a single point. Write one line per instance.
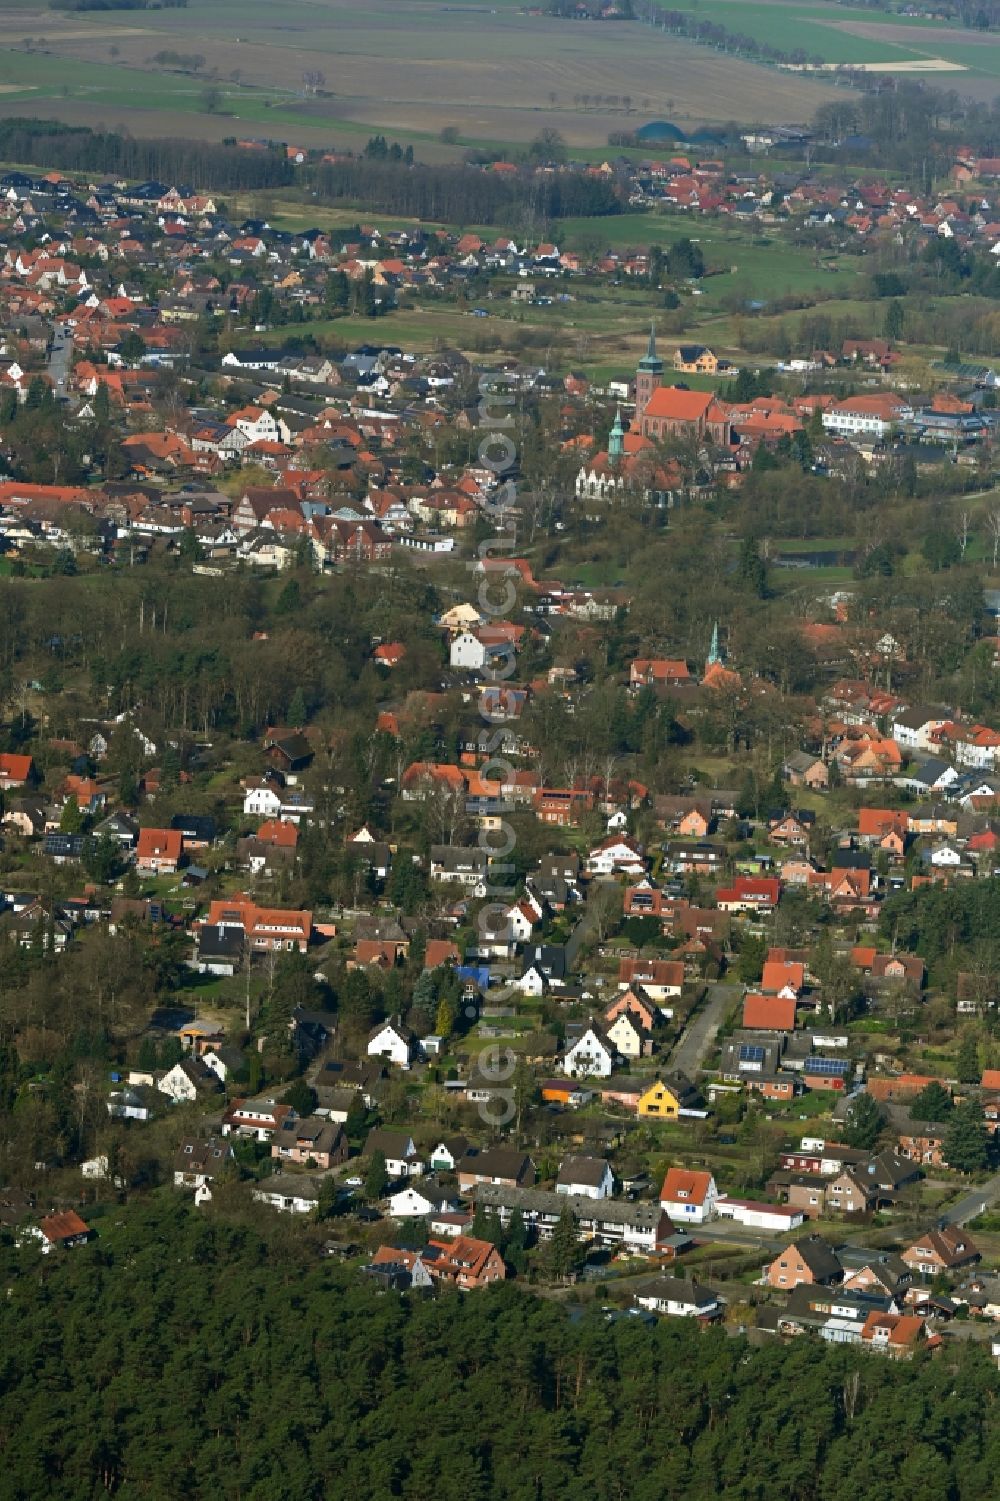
(866, 416)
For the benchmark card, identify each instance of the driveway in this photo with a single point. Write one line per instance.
(699, 1035)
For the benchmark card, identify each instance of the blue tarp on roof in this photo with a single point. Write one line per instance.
(479, 974)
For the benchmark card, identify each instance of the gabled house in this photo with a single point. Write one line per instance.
(634, 1002)
(590, 1177)
(61, 1231)
(810, 1261)
(198, 1161)
(335, 1076)
(758, 894)
(448, 1153)
(783, 978)
(667, 1097)
(903, 969)
(804, 770)
(679, 1297)
(289, 1195)
(398, 1269)
(616, 856)
(15, 771)
(688, 1196)
(312, 1142)
(464, 867)
(197, 830)
(661, 979)
(420, 1202)
(394, 1042)
(768, 1013)
(944, 1249)
(189, 1080)
(503, 1166)
(894, 1334)
(158, 851)
(219, 951)
(630, 1036)
(397, 1147)
(591, 1055)
(465, 1262)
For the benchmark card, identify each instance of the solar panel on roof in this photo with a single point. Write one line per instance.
(751, 1052)
(826, 1066)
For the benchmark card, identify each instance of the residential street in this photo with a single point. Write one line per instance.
(60, 359)
(696, 1040)
(973, 1202)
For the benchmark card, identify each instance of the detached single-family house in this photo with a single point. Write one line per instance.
(942, 1250)
(312, 1142)
(220, 950)
(290, 1195)
(665, 1098)
(61, 1231)
(448, 1153)
(158, 851)
(398, 1150)
(894, 1334)
(681, 1297)
(810, 1261)
(15, 771)
(615, 856)
(259, 1118)
(592, 1055)
(504, 1166)
(688, 1196)
(420, 1201)
(590, 1177)
(189, 1080)
(465, 1262)
(197, 1161)
(393, 1042)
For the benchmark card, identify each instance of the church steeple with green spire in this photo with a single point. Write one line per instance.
(648, 376)
(651, 360)
(616, 440)
(714, 654)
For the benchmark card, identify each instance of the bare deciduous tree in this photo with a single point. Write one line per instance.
(993, 522)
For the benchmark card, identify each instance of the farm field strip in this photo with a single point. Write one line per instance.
(495, 73)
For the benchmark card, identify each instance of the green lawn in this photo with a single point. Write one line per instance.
(821, 31)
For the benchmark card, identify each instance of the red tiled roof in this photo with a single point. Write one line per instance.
(159, 843)
(63, 1226)
(15, 768)
(685, 1184)
(768, 1013)
(677, 405)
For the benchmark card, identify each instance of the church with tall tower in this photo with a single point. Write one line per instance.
(648, 377)
(674, 411)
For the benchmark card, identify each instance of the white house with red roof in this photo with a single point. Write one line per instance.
(617, 856)
(688, 1196)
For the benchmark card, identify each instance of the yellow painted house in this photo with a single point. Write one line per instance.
(659, 1103)
(695, 359)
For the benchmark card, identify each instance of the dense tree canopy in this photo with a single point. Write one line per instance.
(179, 1356)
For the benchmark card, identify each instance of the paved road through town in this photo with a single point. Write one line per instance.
(60, 358)
(700, 1033)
